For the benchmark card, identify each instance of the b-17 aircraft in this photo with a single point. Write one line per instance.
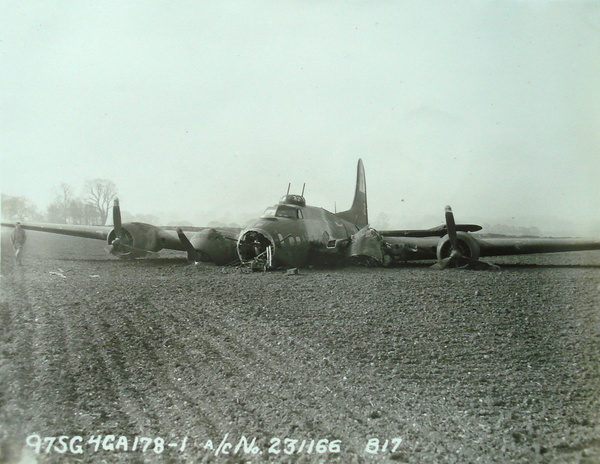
(292, 234)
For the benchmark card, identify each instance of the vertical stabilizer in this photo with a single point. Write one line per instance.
(358, 213)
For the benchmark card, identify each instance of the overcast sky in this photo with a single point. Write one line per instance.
(206, 110)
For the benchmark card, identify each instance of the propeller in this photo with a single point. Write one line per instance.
(192, 254)
(457, 258)
(119, 245)
(455, 253)
(122, 244)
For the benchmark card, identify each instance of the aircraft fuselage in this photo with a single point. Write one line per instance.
(290, 233)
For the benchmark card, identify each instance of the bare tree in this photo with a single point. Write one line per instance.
(100, 194)
(59, 210)
(84, 213)
(19, 208)
(91, 215)
(69, 209)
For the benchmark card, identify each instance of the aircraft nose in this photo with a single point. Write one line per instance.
(256, 246)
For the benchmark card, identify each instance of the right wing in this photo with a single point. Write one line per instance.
(137, 239)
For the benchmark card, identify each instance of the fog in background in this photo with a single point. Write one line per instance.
(204, 111)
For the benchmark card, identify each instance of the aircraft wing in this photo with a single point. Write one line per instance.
(453, 245)
(416, 247)
(439, 231)
(144, 236)
(471, 247)
(519, 246)
(94, 232)
(137, 239)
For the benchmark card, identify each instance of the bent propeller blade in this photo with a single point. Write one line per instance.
(117, 218)
(451, 226)
(192, 254)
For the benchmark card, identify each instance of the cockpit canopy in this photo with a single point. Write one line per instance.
(283, 211)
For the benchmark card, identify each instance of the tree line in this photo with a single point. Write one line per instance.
(90, 208)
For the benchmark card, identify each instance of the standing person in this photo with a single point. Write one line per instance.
(18, 239)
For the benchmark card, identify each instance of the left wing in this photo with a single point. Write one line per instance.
(438, 231)
(454, 246)
(517, 246)
(468, 248)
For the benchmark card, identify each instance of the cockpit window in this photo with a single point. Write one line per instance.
(282, 211)
(270, 212)
(286, 212)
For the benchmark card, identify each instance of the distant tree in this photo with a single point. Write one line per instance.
(84, 213)
(54, 213)
(100, 194)
(59, 210)
(91, 214)
(19, 209)
(66, 208)
(76, 211)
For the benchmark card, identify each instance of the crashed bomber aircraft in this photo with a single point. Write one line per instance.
(292, 234)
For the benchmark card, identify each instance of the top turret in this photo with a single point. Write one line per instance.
(297, 200)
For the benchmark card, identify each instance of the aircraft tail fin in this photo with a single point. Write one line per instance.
(357, 214)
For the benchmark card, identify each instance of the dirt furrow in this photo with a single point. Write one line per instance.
(215, 368)
(267, 366)
(17, 378)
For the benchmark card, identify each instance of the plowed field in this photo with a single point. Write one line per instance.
(331, 365)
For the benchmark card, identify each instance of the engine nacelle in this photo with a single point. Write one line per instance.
(137, 240)
(467, 245)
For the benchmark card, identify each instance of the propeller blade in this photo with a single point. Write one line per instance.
(463, 262)
(192, 253)
(117, 218)
(451, 226)
(441, 265)
(475, 264)
(121, 251)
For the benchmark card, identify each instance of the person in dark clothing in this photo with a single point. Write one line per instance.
(18, 239)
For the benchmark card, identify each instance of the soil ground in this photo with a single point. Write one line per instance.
(387, 365)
